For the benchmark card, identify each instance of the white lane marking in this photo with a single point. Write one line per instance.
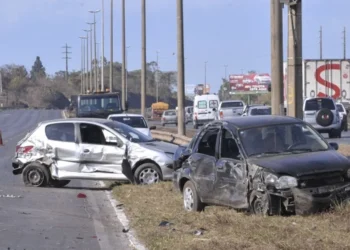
(120, 215)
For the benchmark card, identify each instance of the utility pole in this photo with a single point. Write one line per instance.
(103, 46)
(95, 52)
(87, 61)
(91, 56)
(295, 60)
(321, 42)
(126, 74)
(123, 57)
(82, 64)
(143, 58)
(276, 58)
(66, 52)
(157, 77)
(205, 73)
(344, 43)
(225, 66)
(98, 66)
(180, 70)
(111, 51)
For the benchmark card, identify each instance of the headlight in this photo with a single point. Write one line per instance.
(282, 182)
(286, 182)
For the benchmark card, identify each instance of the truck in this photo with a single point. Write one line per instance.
(321, 78)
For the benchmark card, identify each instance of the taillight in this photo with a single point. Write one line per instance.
(23, 150)
(221, 114)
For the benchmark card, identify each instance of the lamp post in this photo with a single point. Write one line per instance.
(95, 57)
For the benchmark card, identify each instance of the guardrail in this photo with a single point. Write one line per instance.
(170, 137)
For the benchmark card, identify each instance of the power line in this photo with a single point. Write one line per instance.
(66, 52)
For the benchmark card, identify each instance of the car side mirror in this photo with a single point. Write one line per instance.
(152, 128)
(185, 154)
(334, 145)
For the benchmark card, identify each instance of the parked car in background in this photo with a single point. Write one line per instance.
(343, 116)
(205, 109)
(257, 110)
(136, 121)
(323, 115)
(269, 165)
(169, 117)
(231, 108)
(58, 151)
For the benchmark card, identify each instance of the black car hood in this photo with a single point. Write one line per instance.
(303, 164)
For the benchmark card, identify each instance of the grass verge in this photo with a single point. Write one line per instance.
(224, 228)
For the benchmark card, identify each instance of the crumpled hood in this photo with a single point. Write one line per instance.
(144, 131)
(160, 146)
(306, 163)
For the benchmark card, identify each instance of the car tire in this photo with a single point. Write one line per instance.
(36, 175)
(147, 173)
(324, 117)
(191, 200)
(59, 183)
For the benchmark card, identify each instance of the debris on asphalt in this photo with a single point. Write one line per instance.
(81, 195)
(24, 213)
(119, 206)
(125, 230)
(10, 196)
(80, 238)
(165, 223)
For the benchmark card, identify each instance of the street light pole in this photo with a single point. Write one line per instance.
(103, 46)
(87, 60)
(205, 72)
(126, 73)
(95, 57)
(98, 65)
(111, 51)
(82, 65)
(123, 57)
(143, 58)
(157, 77)
(91, 57)
(180, 70)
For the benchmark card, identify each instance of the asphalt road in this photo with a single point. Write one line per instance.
(189, 127)
(51, 218)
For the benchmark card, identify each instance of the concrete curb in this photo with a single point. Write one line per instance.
(119, 213)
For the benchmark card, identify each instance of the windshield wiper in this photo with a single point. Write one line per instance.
(266, 153)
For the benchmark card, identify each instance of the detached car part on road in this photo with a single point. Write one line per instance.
(266, 164)
(92, 149)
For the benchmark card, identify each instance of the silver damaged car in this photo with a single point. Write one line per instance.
(58, 151)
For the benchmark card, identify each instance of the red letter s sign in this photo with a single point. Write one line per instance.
(325, 83)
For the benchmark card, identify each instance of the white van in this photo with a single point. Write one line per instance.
(205, 108)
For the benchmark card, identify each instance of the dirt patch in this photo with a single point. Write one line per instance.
(223, 228)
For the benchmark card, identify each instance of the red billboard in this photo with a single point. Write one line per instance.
(249, 82)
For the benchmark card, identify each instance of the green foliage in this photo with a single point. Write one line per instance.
(38, 70)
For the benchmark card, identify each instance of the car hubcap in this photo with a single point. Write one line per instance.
(188, 199)
(149, 176)
(35, 177)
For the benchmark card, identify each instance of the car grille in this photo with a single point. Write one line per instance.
(319, 180)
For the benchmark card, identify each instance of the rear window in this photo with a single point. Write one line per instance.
(213, 104)
(169, 113)
(202, 104)
(133, 121)
(231, 104)
(340, 108)
(261, 111)
(317, 104)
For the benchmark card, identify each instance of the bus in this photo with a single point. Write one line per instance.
(99, 105)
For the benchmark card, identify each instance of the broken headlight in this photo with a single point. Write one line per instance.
(282, 182)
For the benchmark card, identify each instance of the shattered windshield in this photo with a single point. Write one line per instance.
(281, 139)
(128, 132)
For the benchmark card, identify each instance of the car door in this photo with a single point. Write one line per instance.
(101, 152)
(231, 183)
(203, 161)
(62, 144)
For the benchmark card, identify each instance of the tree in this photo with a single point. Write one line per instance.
(38, 70)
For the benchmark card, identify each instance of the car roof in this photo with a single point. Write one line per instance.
(243, 122)
(77, 120)
(232, 101)
(123, 115)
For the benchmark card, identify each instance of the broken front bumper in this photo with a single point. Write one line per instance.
(314, 200)
(17, 166)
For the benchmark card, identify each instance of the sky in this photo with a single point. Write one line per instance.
(220, 32)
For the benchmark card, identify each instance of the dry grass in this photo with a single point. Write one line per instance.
(147, 206)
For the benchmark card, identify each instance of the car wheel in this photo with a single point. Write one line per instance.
(59, 183)
(36, 175)
(259, 206)
(147, 173)
(191, 199)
